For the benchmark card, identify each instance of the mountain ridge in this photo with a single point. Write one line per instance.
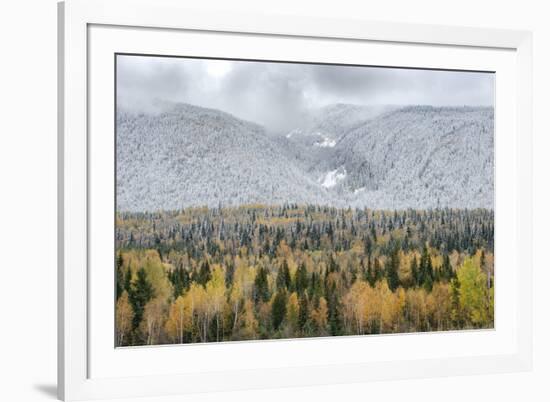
(377, 157)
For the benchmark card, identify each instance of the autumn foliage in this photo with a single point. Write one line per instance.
(258, 272)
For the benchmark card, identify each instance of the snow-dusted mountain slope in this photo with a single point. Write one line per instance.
(421, 156)
(315, 139)
(385, 157)
(190, 155)
(335, 120)
(324, 126)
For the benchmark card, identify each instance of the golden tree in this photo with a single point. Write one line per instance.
(152, 321)
(179, 319)
(215, 296)
(124, 317)
(320, 316)
(292, 312)
(250, 324)
(474, 299)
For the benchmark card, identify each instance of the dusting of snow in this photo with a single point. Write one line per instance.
(408, 157)
(326, 143)
(294, 132)
(333, 177)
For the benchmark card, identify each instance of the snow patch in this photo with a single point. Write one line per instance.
(333, 177)
(326, 143)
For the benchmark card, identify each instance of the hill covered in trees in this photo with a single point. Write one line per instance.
(192, 156)
(343, 155)
(267, 272)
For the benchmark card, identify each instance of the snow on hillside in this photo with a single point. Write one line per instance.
(387, 157)
(195, 156)
(325, 143)
(335, 120)
(422, 156)
(323, 127)
(333, 177)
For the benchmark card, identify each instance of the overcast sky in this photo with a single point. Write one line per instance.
(277, 95)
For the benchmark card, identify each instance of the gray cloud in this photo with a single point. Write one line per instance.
(277, 95)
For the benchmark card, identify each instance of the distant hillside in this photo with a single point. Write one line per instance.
(378, 157)
(421, 156)
(324, 126)
(195, 156)
(314, 141)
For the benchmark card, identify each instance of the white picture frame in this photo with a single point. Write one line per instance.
(86, 39)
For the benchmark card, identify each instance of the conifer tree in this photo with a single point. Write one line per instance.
(119, 281)
(278, 309)
(447, 268)
(414, 271)
(204, 274)
(334, 312)
(283, 277)
(304, 314)
(378, 274)
(392, 265)
(229, 272)
(371, 278)
(301, 279)
(261, 288)
(141, 292)
(128, 280)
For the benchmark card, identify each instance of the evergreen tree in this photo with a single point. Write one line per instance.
(414, 272)
(456, 313)
(141, 292)
(304, 312)
(301, 279)
(128, 280)
(428, 283)
(283, 277)
(447, 269)
(229, 272)
(278, 309)
(426, 276)
(378, 274)
(204, 274)
(368, 245)
(392, 266)
(332, 265)
(315, 287)
(429, 268)
(261, 287)
(180, 281)
(371, 277)
(334, 312)
(119, 276)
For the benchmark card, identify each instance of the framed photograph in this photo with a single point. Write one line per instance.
(255, 201)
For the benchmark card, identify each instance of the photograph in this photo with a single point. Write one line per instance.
(209, 201)
(260, 200)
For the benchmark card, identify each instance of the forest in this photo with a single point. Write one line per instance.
(268, 272)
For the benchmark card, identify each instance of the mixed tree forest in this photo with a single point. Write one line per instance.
(250, 272)
(269, 200)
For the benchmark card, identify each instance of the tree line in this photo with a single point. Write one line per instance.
(264, 272)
